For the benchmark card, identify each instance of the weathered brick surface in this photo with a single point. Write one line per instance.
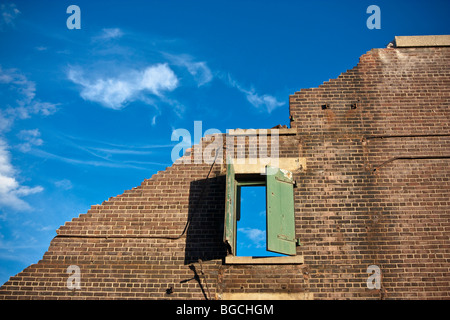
(375, 191)
(356, 208)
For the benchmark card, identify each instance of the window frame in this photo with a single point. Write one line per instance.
(232, 213)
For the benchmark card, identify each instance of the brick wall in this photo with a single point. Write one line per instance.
(375, 191)
(377, 188)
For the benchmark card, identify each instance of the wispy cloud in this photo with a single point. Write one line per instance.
(109, 33)
(106, 163)
(10, 189)
(259, 101)
(64, 184)
(8, 13)
(97, 144)
(23, 102)
(82, 152)
(18, 83)
(116, 91)
(126, 151)
(129, 86)
(30, 138)
(20, 103)
(198, 69)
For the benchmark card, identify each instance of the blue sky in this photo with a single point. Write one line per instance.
(88, 113)
(251, 228)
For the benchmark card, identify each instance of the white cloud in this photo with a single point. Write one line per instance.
(256, 236)
(129, 86)
(10, 190)
(159, 78)
(259, 101)
(8, 13)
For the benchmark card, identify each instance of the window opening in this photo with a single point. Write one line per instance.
(251, 222)
(280, 218)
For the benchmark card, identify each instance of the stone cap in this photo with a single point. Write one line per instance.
(422, 41)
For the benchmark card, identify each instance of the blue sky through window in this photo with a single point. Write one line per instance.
(251, 228)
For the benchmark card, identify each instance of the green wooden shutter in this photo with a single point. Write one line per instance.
(280, 211)
(229, 236)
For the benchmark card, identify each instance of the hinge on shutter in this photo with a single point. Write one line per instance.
(285, 238)
(293, 182)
